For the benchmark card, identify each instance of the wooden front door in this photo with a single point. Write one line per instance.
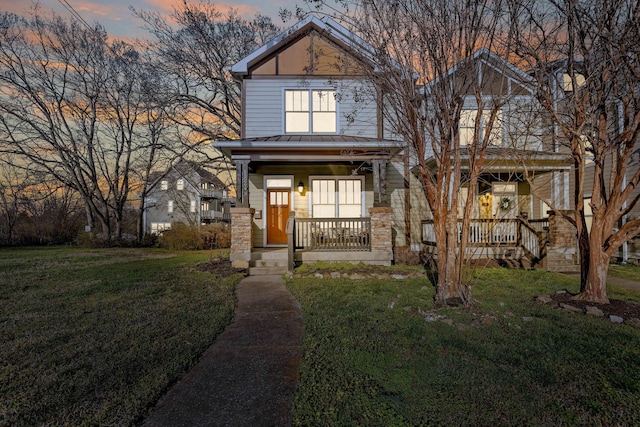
(277, 215)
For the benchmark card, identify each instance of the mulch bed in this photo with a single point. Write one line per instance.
(221, 268)
(624, 309)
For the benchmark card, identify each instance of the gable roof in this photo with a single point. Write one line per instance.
(334, 30)
(493, 61)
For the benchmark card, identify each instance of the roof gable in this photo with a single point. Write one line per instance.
(495, 75)
(312, 46)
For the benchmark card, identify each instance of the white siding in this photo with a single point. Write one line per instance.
(264, 106)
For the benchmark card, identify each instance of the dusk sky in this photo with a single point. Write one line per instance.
(116, 17)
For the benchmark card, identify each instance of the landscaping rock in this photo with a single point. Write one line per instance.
(335, 275)
(508, 314)
(398, 276)
(544, 299)
(616, 319)
(358, 276)
(447, 321)
(462, 327)
(593, 311)
(571, 308)
(318, 275)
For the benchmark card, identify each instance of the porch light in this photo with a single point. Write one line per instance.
(300, 187)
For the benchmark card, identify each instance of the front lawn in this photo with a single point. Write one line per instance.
(95, 337)
(377, 352)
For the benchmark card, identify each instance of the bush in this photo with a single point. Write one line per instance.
(181, 236)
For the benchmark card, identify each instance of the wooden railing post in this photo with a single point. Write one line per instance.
(291, 239)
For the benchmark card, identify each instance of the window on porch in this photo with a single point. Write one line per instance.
(336, 198)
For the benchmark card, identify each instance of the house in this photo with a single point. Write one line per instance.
(314, 153)
(522, 170)
(185, 193)
(320, 176)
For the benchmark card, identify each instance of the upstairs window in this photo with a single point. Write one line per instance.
(310, 111)
(170, 207)
(468, 123)
(164, 185)
(180, 184)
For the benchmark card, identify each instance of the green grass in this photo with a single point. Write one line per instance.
(95, 337)
(625, 271)
(368, 364)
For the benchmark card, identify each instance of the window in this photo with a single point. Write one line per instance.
(467, 127)
(170, 206)
(159, 227)
(336, 197)
(193, 206)
(567, 84)
(310, 111)
(180, 184)
(164, 185)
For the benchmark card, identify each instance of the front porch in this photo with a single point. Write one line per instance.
(498, 238)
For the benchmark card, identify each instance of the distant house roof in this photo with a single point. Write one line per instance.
(183, 167)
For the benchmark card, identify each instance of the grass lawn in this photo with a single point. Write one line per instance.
(371, 357)
(94, 337)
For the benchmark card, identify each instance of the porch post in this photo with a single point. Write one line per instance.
(563, 244)
(381, 234)
(241, 236)
(379, 182)
(291, 240)
(242, 182)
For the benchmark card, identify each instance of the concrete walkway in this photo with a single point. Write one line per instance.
(248, 376)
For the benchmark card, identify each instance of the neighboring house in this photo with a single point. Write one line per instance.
(506, 213)
(188, 194)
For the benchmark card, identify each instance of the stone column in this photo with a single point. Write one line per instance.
(241, 236)
(562, 255)
(381, 235)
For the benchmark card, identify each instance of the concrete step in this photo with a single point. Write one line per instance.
(269, 263)
(266, 271)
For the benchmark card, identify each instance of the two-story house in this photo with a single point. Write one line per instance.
(313, 148)
(186, 193)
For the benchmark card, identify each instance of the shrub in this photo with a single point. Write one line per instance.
(211, 236)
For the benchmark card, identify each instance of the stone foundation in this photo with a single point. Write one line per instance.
(562, 254)
(381, 234)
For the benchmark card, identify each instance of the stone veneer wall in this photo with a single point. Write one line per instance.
(562, 254)
(241, 236)
(381, 235)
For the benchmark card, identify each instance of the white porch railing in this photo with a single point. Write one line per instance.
(494, 233)
(332, 234)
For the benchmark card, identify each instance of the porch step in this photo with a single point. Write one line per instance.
(267, 271)
(268, 262)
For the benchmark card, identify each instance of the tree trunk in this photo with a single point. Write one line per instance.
(594, 288)
(450, 290)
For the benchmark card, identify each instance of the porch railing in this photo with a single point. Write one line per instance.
(505, 232)
(332, 234)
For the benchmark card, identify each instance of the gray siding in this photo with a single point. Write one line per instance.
(264, 106)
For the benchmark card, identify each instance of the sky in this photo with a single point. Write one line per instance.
(119, 22)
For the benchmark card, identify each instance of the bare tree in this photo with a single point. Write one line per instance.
(197, 44)
(585, 56)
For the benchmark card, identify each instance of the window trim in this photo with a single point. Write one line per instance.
(337, 178)
(485, 116)
(310, 110)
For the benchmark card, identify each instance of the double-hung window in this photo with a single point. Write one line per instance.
(467, 127)
(310, 111)
(336, 197)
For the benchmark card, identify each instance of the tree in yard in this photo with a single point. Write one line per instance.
(585, 57)
(196, 45)
(432, 43)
